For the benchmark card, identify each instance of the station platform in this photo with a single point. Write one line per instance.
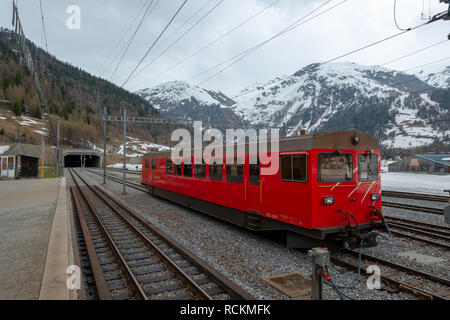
(35, 239)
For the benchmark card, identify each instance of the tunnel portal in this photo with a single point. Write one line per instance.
(73, 158)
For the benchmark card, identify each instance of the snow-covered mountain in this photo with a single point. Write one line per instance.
(393, 106)
(179, 100)
(399, 109)
(436, 79)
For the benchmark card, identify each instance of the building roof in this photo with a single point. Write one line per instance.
(443, 159)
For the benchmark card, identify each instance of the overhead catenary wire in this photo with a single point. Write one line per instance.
(426, 64)
(395, 18)
(106, 60)
(348, 53)
(144, 17)
(211, 43)
(414, 52)
(180, 37)
(154, 43)
(43, 25)
(245, 53)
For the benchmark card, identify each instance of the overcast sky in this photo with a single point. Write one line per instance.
(349, 26)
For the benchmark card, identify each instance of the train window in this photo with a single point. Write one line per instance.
(254, 170)
(168, 166)
(294, 167)
(147, 164)
(368, 167)
(215, 172)
(153, 163)
(335, 167)
(187, 170)
(200, 170)
(177, 169)
(235, 171)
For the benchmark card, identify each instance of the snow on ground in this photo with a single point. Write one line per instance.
(412, 182)
(131, 167)
(41, 132)
(3, 149)
(26, 121)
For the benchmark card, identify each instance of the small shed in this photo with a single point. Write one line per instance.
(8, 167)
(423, 163)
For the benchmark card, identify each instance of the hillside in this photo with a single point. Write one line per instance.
(179, 100)
(71, 93)
(400, 109)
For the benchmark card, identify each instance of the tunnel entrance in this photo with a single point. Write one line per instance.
(74, 161)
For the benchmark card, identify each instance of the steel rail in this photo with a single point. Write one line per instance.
(423, 231)
(427, 226)
(172, 264)
(228, 286)
(418, 196)
(412, 207)
(389, 280)
(413, 237)
(132, 279)
(399, 266)
(99, 278)
(232, 289)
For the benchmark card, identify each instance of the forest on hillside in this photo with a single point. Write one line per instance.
(74, 95)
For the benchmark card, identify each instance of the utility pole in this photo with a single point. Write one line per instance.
(104, 146)
(42, 143)
(57, 147)
(124, 190)
(82, 156)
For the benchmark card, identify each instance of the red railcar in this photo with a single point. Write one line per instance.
(327, 188)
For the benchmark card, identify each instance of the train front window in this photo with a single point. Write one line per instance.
(368, 167)
(294, 167)
(335, 167)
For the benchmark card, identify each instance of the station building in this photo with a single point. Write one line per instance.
(423, 163)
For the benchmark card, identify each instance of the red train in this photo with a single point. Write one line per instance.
(327, 190)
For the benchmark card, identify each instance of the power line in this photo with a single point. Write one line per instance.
(414, 52)
(183, 24)
(120, 41)
(144, 17)
(151, 47)
(214, 41)
(43, 25)
(349, 53)
(254, 48)
(179, 38)
(395, 18)
(427, 64)
(375, 43)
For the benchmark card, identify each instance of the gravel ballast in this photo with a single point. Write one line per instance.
(247, 257)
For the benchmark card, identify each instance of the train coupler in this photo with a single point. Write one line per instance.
(362, 240)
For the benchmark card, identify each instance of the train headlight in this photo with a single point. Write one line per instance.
(375, 196)
(328, 201)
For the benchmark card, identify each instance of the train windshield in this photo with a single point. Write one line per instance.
(335, 167)
(368, 167)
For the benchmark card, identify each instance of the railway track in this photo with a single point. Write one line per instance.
(413, 207)
(438, 236)
(418, 196)
(131, 184)
(399, 277)
(131, 259)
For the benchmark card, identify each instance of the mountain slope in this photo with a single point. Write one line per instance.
(71, 93)
(178, 100)
(336, 96)
(437, 79)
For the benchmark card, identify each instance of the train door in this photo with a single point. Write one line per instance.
(253, 186)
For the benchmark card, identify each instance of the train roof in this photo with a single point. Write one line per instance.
(328, 140)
